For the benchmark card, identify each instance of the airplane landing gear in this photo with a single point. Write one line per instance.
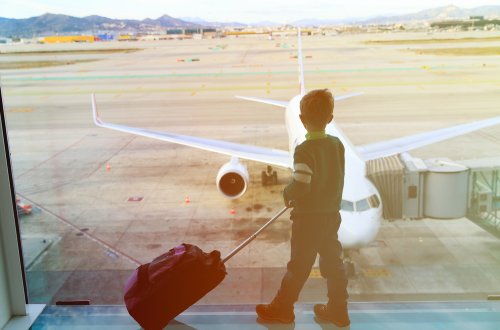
(269, 177)
(350, 269)
(349, 265)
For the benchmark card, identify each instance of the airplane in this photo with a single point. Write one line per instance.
(361, 206)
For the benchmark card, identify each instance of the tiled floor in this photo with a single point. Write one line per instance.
(384, 316)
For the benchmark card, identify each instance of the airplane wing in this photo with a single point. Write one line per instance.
(266, 101)
(346, 96)
(259, 154)
(285, 104)
(392, 147)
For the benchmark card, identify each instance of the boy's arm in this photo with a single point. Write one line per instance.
(342, 157)
(301, 181)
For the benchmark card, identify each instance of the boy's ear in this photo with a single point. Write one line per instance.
(331, 118)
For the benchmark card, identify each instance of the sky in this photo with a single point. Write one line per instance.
(280, 11)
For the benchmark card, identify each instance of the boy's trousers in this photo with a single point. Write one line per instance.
(314, 234)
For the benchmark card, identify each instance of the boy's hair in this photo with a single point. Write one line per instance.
(317, 106)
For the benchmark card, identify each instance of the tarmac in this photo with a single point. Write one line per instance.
(105, 201)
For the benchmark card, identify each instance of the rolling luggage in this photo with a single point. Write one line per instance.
(158, 291)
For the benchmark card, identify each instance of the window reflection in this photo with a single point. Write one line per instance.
(346, 205)
(362, 205)
(374, 201)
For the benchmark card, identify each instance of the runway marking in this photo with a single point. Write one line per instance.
(377, 272)
(50, 158)
(101, 164)
(105, 245)
(20, 110)
(9, 90)
(315, 273)
(217, 74)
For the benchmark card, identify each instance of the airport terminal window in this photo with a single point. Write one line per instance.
(95, 203)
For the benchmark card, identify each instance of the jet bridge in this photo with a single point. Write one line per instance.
(412, 188)
(484, 193)
(387, 174)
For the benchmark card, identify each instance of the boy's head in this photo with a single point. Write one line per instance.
(316, 109)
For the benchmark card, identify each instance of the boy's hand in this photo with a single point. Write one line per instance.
(288, 202)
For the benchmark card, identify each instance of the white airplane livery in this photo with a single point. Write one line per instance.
(361, 207)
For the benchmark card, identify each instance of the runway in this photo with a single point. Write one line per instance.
(106, 201)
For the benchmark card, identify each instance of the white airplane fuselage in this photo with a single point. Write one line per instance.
(360, 224)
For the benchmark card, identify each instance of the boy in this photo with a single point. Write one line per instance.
(316, 193)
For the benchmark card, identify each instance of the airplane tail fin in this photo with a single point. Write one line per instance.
(302, 87)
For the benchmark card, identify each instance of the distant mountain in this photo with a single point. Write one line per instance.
(440, 13)
(168, 21)
(266, 24)
(196, 20)
(434, 14)
(323, 22)
(36, 25)
(64, 24)
(202, 22)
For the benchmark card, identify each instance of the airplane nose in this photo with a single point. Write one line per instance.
(358, 229)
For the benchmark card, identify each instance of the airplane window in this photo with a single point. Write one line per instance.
(374, 201)
(362, 205)
(346, 205)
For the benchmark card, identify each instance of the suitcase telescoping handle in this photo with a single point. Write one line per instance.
(251, 238)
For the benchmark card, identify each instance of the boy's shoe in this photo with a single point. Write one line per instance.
(339, 316)
(275, 313)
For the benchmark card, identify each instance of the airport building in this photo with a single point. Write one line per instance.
(66, 39)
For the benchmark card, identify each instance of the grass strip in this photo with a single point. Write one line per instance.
(37, 64)
(431, 41)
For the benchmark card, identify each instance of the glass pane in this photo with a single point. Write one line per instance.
(362, 205)
(374, 201)
(96, 202)
(347, 205)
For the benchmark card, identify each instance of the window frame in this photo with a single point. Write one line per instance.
(15, 310)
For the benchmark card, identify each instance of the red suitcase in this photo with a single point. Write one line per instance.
(158, 291)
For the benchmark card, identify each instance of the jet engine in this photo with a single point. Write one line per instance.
(232, 179)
